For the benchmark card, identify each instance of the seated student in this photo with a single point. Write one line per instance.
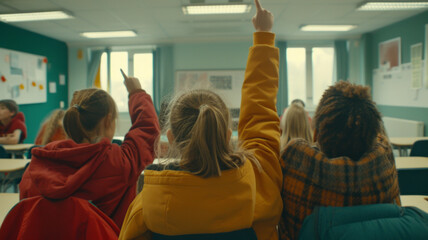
(12, 123)
(352, 165)
(212, 189)
(52, 129)
(294, 124)
(88, 165)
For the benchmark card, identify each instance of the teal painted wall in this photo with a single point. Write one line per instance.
(411, 31)
(56, 52)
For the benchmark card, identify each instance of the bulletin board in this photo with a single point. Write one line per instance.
(395, 88)
(22, 77)
(226, 83)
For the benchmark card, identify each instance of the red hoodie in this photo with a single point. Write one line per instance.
(18, 122)
(103, 172)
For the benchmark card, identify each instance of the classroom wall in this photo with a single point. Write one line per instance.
(202, 56)
(411, 31)
(56, 52)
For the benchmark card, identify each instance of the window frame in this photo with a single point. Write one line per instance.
(308, 46)
(130, 71)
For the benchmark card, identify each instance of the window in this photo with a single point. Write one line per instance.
(310, 72)
(137, 64)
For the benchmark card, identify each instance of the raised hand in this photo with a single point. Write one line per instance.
(263, 20)
(132, 84)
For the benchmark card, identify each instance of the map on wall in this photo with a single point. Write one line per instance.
(226, 83)
(22, 77)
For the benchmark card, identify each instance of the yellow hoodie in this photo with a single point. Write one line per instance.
(179, 203)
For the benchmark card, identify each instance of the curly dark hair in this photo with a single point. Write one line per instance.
(347, 121)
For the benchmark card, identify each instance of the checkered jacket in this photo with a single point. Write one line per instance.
(312, 179)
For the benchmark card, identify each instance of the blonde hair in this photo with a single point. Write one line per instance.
(199, 122)
(295, 124)
(51, 124)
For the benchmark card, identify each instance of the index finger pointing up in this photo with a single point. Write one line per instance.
(258, 6)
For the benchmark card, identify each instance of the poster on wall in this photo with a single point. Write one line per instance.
(390, 55)
(226, 83)
(416, 61)
(23, 77)
(426, 55)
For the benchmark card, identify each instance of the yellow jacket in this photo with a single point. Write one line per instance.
(178, 203)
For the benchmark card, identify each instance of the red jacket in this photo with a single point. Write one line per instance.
(104, 173)
(18, 122)
(37, 218)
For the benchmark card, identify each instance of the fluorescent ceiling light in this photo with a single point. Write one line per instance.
(327, 28)
(34, 16)
(391, 6)
(216, 9)
(110, 34)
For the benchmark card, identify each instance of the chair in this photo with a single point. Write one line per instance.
(243, 234)
(375, 221)
(3, 153)
(28, 154)
(419, 149)
(72, 218)
(413, 181)
(117, 141)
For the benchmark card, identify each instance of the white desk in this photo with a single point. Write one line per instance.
(7, 201)
(418, 201)
(17, 148)
(404, 143)
(411, 162)
(9, 166)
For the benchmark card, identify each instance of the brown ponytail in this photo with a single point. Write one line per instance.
(199, 121)
(88, 107)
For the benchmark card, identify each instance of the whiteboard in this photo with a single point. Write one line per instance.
(394, 88)
(22, 77)
(226, 83)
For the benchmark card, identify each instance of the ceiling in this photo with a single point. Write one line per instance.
(162, 21)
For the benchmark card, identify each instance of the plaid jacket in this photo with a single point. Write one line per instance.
(312, 179)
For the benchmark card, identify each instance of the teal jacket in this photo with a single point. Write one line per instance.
(375, 221)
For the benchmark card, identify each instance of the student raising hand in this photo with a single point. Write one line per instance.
(132, 84)
(263, 20)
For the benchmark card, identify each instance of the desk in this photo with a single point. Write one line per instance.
(17, 148)
(12, 167)
(418, 201)
(7, 201)
(411, 162)
(404, 143)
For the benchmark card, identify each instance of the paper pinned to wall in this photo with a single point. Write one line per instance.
(416, 61)
(426, 55)
(23, 77)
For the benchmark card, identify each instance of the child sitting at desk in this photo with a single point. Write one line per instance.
(12, 123)
(352, 163)
(52, 129)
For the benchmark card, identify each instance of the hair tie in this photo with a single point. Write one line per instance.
(77, 107)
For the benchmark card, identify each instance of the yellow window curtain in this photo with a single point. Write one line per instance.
(97, 80)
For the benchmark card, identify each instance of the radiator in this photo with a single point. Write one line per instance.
(397, 127)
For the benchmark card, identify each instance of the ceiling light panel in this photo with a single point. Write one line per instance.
(216, 9)
(110, 34)
(392, 6)
(327, 28)
(34, 16)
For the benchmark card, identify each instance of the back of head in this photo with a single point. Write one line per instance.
(87, 108)
(347, 121)
(199, 122)
(10, 104)
(295, 124)
(52, 123)
(298, 101)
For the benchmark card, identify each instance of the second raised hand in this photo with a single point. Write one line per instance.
(263, 20)
(132, 84)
